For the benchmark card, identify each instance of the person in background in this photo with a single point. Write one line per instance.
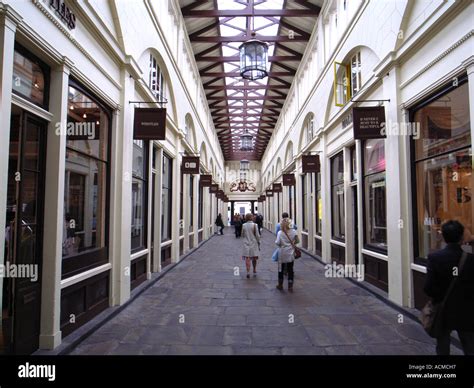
(286, 254)
(238, 225)
(251, 248)
(292, 225)
(458, 312)
(220, 223)
(259, 221)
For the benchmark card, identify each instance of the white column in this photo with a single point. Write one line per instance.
(121, 193)
(196, 210)
(50, 332)
(156, 217)
(326, 201)
(9, 19)
(175, 200)
(186, 211)
(298, 197)
(398, 197)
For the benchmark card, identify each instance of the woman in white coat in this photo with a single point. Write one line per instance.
(251, 240)
(286, 253)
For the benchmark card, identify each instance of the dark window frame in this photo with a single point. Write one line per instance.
(170, 194)
(46, 73)
(442, 91)
(95, 257)
(364, 176)
(333, 185)
(144, 180)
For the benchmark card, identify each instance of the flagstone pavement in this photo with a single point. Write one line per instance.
(204, 307)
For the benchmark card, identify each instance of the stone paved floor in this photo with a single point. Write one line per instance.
(226, 314)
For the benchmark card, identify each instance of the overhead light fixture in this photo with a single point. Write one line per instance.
(244, 165)
(253, 59)
(253, 56)
(246, 141)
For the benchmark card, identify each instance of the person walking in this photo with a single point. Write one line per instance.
(220, 223)
(251, 248)
(238, 225)
(259, 221)
(286, 240)
(445, 266)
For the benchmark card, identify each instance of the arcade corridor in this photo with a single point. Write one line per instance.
(202, 308)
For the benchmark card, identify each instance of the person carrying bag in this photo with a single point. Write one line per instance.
(432, 314)
(287, 253)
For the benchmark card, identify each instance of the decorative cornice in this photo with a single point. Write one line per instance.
(9, 13)
(70, 36)
(438, 58)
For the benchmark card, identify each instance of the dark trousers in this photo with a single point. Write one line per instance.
(443, 343)
(221, 229)
(286, 267)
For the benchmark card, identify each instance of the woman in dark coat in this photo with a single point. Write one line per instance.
(459, 309)
(220, 223)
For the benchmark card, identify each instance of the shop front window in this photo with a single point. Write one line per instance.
(166, 198)
(30, 77)
(375, 194)
(85, 194)
(337, 197)
(443, 166)
(319, 205)
(139, 186)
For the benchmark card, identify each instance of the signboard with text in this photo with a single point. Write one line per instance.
(368, 122)
(190, 165)
(205, 180)
(289, 180)
(311, 164)
(277, 188)
(149, 124)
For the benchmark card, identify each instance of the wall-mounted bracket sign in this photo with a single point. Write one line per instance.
(190, 165)
(277, 188)
(149, 124)
(64, 12)
(369, 122)
(269, 193)
(311, 164)
(214, 188)
(289, 180)
(205, 180)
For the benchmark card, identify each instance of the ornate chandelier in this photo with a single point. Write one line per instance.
(246, 141)
(253, 59)
(244, 165)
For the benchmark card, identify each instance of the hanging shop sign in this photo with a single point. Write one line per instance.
(226, 198)
(190, 165)
(289, 180)
(311, 164)
(205, 180)
(64, 12)
(261, 198)
(269, 193)
(277, 188)
(220, 194)
(150, 124)
(214, 188)
(369, 122)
